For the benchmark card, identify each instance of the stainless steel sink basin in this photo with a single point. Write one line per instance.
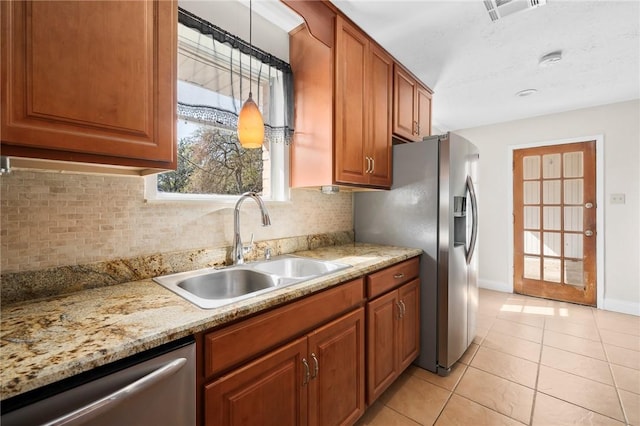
(212, 288)
(298, 267)
(228, 283)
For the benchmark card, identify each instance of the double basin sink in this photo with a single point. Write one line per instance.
(211, 288)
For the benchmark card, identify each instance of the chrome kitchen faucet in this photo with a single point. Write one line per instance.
(238, 249)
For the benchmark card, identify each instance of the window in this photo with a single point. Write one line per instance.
(213, 83)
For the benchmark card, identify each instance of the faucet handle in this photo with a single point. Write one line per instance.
(267, 253)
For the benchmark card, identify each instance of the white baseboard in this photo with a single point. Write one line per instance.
(495, 285)
(615, 305)
(622, 306)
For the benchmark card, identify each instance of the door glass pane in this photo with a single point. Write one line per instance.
(532, 217)
(573, 191)
(551, 270)
(573, 164)
(531, 167)
(551, 192)
(531, 242)
(573, 245)
(531, 192)
(551, 218)
(574, 272)
(532, 267)
(573, 219)
(551, 166)
(552, 244)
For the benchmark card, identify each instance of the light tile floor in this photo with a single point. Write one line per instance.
(534, 362)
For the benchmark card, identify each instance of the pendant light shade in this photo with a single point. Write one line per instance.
(250, 122)
(250, 125)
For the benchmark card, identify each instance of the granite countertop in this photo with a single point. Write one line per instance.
(47, 340)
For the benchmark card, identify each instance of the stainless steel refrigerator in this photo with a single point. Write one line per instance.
(432, 205)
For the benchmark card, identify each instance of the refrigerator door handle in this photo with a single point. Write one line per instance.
(474, 228)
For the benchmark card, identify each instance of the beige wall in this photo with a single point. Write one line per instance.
(57, 219)
(619, 124)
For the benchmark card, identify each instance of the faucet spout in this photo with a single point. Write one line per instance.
(238, 248)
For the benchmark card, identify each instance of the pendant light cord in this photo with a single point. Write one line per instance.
(250, 44)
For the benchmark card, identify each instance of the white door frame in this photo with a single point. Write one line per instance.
(599, 205)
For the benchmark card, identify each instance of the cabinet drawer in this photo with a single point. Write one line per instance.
(387, 279)
(232, 345)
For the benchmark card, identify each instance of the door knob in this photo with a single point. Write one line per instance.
(588, 233)
(588, 206)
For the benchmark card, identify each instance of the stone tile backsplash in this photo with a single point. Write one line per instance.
(29, 285)
(51, 219)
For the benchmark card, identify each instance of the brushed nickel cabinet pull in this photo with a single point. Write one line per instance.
(399, 310)
(398, 276)
(307, 373)
(404, 308)
(316, 366)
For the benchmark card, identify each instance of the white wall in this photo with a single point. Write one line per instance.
(619, 124)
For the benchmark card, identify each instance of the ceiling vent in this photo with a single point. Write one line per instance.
(500, 8)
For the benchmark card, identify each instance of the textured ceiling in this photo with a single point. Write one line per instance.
(475, 66)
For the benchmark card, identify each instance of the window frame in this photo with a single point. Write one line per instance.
(279, 183)
(279, 153)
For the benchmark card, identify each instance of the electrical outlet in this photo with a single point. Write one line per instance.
(616, 199)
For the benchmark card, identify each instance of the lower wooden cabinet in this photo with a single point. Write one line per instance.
(336, 385)
(267, 391)
(317, 379)
(409, 324)
(382, 355)
(393, 340)
(307, 362)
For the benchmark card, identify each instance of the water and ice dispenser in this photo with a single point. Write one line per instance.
(459, 221)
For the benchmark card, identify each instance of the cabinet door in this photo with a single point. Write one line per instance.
(336, 356)
(409, 325)
(404, 104)
(312, 65)
(351, 101)
(90, 81)
(380, 108)
(268, 391)
(424, 112)
(382, 353)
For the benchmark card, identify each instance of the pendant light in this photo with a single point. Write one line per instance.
(250, 123)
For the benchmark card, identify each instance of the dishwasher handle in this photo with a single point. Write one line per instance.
(98, 407)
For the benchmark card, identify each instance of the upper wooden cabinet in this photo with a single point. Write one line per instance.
(343, 104)
(91, 82)
(411, 106)
(363, 87)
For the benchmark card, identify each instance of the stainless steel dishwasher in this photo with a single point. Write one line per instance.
(156, 387)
